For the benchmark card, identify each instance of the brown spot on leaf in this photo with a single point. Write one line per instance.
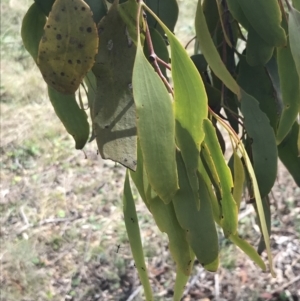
(58, 36)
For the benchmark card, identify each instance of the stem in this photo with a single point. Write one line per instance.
(154, 60)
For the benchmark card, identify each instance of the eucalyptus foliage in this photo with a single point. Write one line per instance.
(164, 115)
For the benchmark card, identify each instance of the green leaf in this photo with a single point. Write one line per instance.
(140, 177)
(45, 5)
(265, 17)
(166, 220)
(249, 250)
(134, 236)
(290, 88)
(199, 224)
(156, 127)
(210, 52)
(259, 52)
(190, 106)
(166, 10)
(267, 211)
(229, 219)
(256, 81)
(239, 178)
(98, 8)
(264, 150)
(73, 118)
(288, 153)
(113, 112)
(294, 29)
(32, 29)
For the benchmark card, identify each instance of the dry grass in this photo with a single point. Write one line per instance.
(61, 212)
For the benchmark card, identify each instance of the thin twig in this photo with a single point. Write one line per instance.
(23, 215)
(154, 60)
(193, 282)
(134, 294)
(284, 286)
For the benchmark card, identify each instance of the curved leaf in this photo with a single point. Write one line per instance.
(290, 89)
(199, 224)
(156, 127)
(134, 236)
(229, 207)
(294, 29)
(249, 250)
(264, 150)
(288, 153)
(256, 81)
(73, 118)
(190, 106)
(166, 10)
(32, 29)
(210, 52)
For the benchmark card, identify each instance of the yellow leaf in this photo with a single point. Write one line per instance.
(68, 47)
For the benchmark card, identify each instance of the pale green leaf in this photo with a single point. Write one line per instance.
(156, 127)
(134, 236)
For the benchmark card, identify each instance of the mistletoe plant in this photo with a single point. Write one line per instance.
(158, 111)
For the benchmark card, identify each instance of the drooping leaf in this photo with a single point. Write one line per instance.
(288, 153)
(166, 10)
(166, 220)
(113, 113)
(290, 89)
(45, 5)
(256, 82)
(134, 236)
(253, 180)
(264, 150)
(294, 29)
(199, 224)
(68, 46)
(259, 52)
(156, 127)
(239, 178)
(210, 11)
(98, 8)
(249, 250)
(73, 118)
(32, 29)
(267, 211)
(229, 207)
(190, 106)
(265, 17)
(138, 175)
(210, 52)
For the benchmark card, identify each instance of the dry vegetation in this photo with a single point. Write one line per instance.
(62, 233)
